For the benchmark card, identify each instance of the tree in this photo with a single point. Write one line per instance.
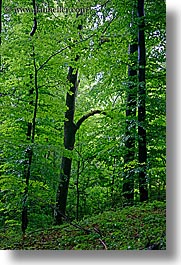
(142, 157)
(155, 37)
(30, 128)
(70, 129)
(69, 140)
(27, 94)
(131, 105)
(79, 133)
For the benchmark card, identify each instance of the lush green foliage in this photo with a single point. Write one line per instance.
(98, 157)
(133, 228)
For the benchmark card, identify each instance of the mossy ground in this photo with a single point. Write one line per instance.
(131, 228)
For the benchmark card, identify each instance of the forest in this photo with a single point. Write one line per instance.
(83, 124)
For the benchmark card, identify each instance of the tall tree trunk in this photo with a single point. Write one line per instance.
(128, 177)
(70, 129)
(30, 131)
(69, 140)
(29, 150)
(143, 189)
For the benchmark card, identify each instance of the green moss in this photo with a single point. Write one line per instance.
(132, 228)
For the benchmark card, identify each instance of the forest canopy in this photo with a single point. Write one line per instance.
(83, 117)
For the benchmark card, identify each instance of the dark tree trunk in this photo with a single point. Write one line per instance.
(143, 189)
(29, 151)
(62, 191)
(128, 177)
(24, 218)
(69, 140)
(70, 129)
(33, 30)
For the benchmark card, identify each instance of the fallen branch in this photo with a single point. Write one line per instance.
(87, 231)
(103, 243)
(97, 230)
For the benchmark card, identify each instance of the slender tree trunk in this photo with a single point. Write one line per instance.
(34, 27)
(78, 191)
(128, 179)
(24, 220)
(30, 130)
(141, 105)
(29, 151)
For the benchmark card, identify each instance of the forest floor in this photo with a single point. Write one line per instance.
(132, 228)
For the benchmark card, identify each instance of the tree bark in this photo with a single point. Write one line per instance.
(29, 151)
(86, 116)
(142, 157)
(34, 27)
(131, 104)
(69, 140)
(70, 129)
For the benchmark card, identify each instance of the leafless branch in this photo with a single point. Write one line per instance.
(103, 243)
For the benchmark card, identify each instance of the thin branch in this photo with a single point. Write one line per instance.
(51, 56)
(103, 243)
(104, 31)
(36, 97)
(87, 231)
(66, 218)
(61, 50)
(68, 46)
(86, 116)
(97, 230)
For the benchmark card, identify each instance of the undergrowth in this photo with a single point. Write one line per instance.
(132, 228)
